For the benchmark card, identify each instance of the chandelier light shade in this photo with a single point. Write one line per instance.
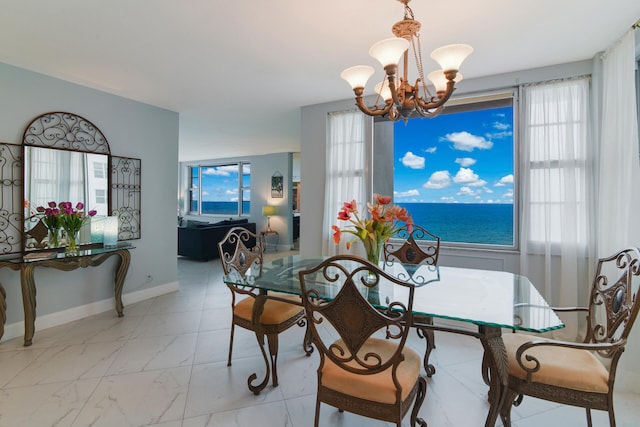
(397, 97)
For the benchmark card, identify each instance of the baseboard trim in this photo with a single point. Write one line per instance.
(46, 321)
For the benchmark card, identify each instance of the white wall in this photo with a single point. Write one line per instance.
(313, 153)
(132, 129)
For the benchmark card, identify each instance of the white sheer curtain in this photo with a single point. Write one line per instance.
(55, 175)
(557, 190)
(618, 147)
(345, 174)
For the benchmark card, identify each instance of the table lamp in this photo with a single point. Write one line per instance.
(268, 211)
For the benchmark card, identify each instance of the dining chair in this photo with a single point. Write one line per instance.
(580, 374)
(361, 371)
(240, 250)
(408, 251)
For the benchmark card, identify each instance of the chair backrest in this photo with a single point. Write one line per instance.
(613, 302)
(409, 251)
(240, 250)
(352, 317)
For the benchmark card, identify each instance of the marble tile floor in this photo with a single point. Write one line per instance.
(164, 365)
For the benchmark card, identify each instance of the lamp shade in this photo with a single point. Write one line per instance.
(357, 76)
(389, 51)
(440, 81)
(451, 56)
(383, 89)
(268, 210)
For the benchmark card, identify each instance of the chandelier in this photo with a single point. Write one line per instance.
(401, 99)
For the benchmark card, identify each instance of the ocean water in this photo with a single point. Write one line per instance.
(465, 222)
(454, 222)
(223, 208)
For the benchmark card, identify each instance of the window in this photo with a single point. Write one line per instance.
(556, 163)
(101, 196)
(220, 189)
(99, 170)
(455, 172)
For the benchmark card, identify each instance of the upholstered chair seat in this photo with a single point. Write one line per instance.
(275, 312)
(377, 387)
(571, 368)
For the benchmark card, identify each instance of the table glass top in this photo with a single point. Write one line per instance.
(59, 253)
(483, 297)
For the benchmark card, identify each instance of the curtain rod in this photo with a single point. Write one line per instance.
(636, 25)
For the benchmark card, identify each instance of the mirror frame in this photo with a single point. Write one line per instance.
(66, 132)
(124, 190)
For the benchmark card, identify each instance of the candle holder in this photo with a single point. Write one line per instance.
(110, 231)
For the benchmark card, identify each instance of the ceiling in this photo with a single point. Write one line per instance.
(239, 71)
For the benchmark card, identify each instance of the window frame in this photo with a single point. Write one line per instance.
(487, 98)
(195, 189)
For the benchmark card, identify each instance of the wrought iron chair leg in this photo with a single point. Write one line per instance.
(422, 391)
(612, 416)
(429, 337)
(306, 343)
(231, 344)
(272, 339)
(317, 418)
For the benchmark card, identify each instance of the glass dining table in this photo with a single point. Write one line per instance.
(490, 300)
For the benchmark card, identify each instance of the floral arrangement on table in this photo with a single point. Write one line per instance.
(385, 220)
(64, 216)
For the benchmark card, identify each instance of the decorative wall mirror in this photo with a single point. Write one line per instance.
(64, 157)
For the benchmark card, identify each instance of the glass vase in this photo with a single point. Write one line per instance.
(53, 238)
(72, 242)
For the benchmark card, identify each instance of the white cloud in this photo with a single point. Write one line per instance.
(438, 180)
(464, 141)
(231, 192)
(466, 191)
(501, 126)
(465, 161)
(447, 199)
(431, 150)
(487, 190)
(468, 177)
(221, 170)
(409, 193)
(505, 180)
(412, 161)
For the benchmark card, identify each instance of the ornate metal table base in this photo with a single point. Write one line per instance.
(495, 369)
(65, 264)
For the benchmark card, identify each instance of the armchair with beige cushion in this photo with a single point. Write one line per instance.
(240, 250)
(409, 251)
(580, 374)
(360, 371)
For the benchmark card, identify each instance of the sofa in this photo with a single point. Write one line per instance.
(199, 240)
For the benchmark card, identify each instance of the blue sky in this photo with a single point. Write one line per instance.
(455, 158)
(220, 183)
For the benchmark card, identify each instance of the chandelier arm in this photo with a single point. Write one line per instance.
(442, 98)
(429, 113)
(372, 112)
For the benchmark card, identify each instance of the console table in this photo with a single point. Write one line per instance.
(90, 256)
